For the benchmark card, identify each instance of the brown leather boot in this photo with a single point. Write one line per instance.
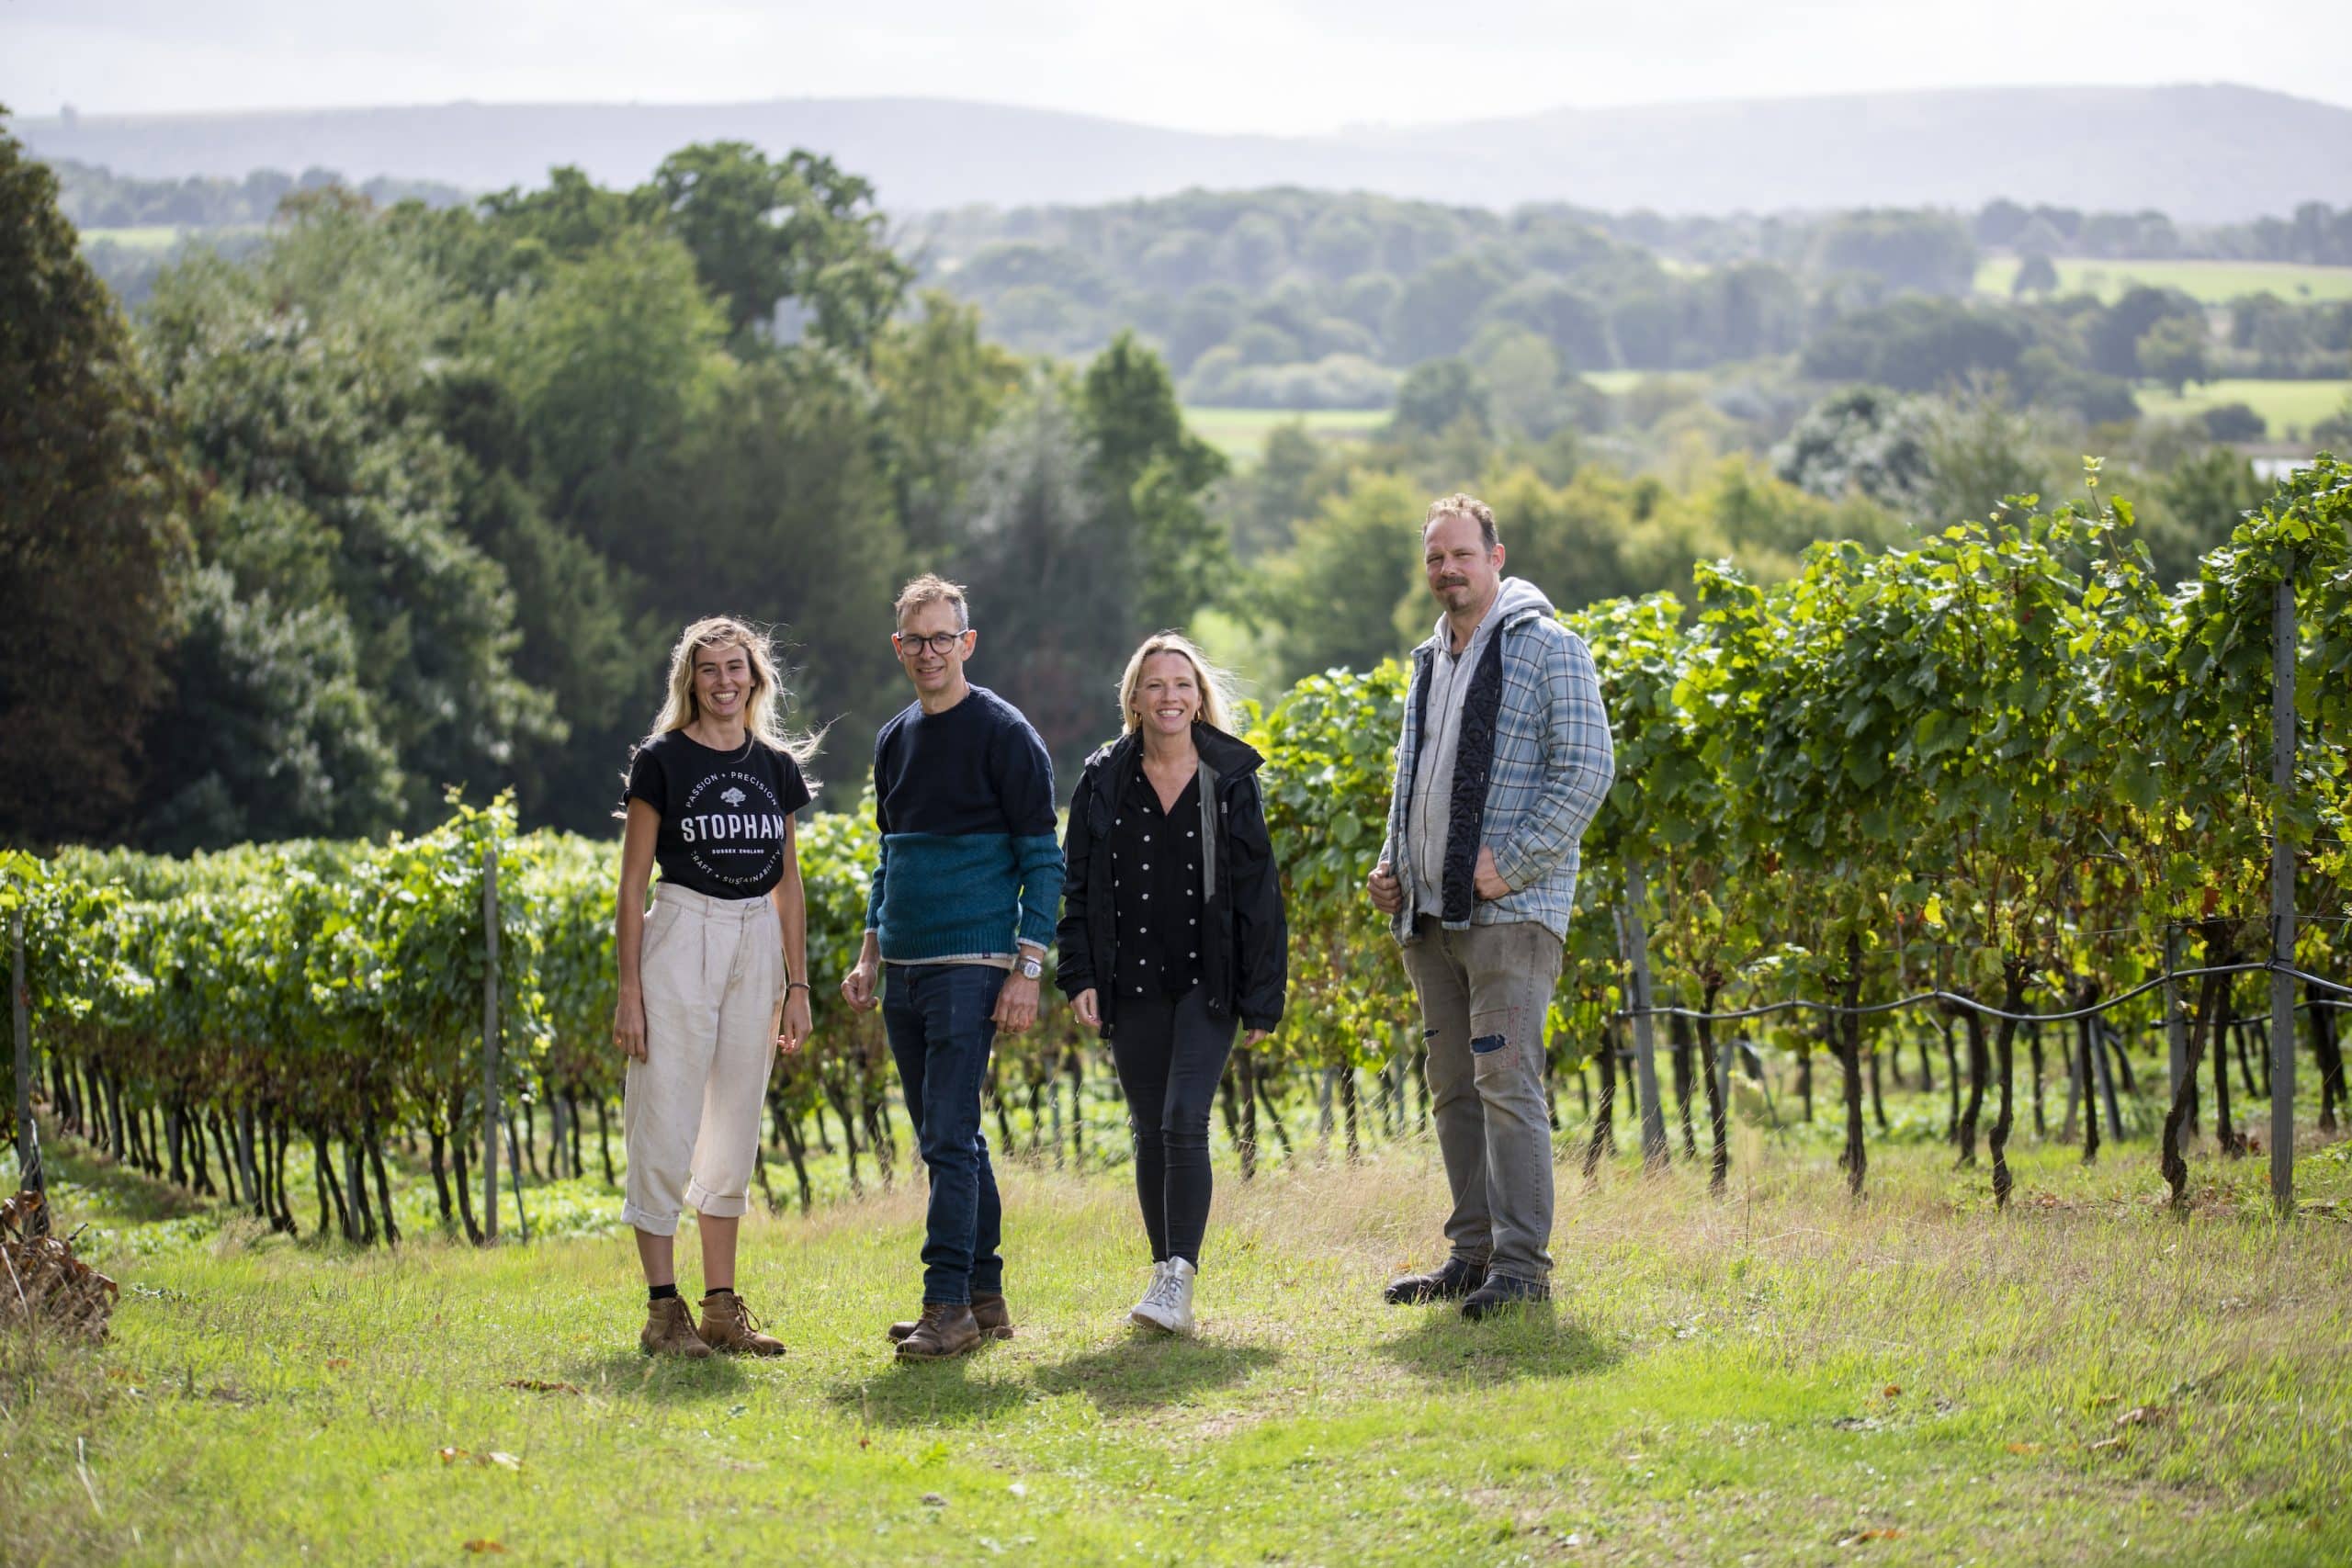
(988, 1312)
(670, 1331)
(945, 1329)
(728, 1324)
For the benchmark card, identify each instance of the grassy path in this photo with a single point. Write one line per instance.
(1778, 1376)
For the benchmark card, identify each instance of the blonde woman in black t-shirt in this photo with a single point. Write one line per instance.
(714, 980)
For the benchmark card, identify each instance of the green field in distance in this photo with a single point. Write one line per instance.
(1241, 433)
(2283, 405)
(144, 237)
(2209, 282)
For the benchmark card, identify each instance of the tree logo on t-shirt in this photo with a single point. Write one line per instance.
(738, 846)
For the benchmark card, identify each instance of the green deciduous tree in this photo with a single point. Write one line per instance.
(303, 387)
(93, 533)
(610, 359)
(1330, 598)
(800, 228)
(2173, 352)
(944, 386)
(1160, 552)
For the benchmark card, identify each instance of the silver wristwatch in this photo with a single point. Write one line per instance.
(1032, 967)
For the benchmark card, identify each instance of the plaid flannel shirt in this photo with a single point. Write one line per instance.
(1554, 764)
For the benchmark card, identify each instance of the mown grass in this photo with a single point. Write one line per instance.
(2207, 282)
(1241, 433)
(2284, 406)
(1776, 1375)
(139, 237)
(1617, 383)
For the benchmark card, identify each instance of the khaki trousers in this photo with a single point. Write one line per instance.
(1484, 994)
(712, 970)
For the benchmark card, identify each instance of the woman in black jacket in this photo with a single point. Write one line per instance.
(1171, 930)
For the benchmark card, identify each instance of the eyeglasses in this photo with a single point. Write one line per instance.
(940, 643)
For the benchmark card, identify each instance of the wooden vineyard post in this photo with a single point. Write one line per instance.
(1638, 951)
(515, 1174)
(490, 1119)
(2176, 1021)
(28, 1172)
(2282, 898)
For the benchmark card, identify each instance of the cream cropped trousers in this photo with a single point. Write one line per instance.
(712, 973)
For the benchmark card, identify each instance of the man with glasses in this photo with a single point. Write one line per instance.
(966, 888)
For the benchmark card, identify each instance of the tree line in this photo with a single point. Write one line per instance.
(411, 498)
(1307, 299)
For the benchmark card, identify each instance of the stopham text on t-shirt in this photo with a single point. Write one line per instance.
(730, 825)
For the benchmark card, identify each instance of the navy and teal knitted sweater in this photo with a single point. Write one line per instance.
(969, 861)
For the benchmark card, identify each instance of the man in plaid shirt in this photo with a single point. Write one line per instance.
(1505, 759)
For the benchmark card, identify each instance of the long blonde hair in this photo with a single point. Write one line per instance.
(1213, 682)
(762, 715)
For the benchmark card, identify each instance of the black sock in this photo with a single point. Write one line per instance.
(660, 1294)
(709, 1291)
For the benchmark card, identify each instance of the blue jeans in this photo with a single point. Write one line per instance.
(937, 1016)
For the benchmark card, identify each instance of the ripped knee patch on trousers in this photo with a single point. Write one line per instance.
(1482, 1045)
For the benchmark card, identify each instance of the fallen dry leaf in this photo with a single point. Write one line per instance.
(484, 1546)
(47, 1284)
(540, 1385)
(2025, 1448)
(338, 1360)
(1887, 1533)
(2106, 1443)
(1891, 1390)
(504, 1461)
(2144, 1415)
(2101, 1401)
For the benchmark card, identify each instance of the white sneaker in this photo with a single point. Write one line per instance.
(1150, 1298)
(1168, 1304)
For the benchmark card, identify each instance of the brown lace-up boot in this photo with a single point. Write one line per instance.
(945, 1329)
(670, 1331)
(988, 1312)
(728, 1325)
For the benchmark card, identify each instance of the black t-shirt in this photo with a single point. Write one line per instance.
(722, 812)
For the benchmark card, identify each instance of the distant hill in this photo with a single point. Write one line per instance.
(2210, 154)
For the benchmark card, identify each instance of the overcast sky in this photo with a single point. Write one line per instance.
(1230, 65)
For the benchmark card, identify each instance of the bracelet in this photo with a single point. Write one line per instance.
(797, 985)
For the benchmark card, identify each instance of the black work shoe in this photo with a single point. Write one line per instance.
(1501, 1293)
(1456, 1279)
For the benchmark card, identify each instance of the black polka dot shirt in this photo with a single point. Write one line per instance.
(1156, 889)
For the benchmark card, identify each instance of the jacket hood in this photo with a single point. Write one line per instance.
(1518, 600)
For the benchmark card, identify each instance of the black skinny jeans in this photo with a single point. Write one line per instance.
(1171, 1055)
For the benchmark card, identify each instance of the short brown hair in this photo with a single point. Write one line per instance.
(1462, 503)
(932, 589)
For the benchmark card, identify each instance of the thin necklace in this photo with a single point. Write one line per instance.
(748, 738)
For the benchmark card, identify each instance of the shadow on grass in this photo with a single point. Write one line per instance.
(1446, 1348)
(109, 1190)
(658, 1379)
(930, 1393)
(1149, 1370)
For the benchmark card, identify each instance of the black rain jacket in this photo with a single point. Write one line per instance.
(1245, 969)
